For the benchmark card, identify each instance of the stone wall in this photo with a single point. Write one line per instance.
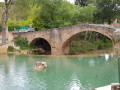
(115, 86)
(116, 48)
(3, 48)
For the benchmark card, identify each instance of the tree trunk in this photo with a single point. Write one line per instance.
(8, 4)
(3, 32)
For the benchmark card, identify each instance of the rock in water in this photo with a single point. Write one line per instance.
(40, 65)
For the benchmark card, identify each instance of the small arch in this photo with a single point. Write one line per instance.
(66, 43)
(42, 44)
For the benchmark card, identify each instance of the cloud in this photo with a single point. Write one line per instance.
(1, 0)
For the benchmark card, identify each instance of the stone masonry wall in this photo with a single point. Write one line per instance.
(3, 48)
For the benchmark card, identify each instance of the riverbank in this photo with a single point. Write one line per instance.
(105, 53)
(94, 53)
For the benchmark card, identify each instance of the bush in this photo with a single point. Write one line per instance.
(22, 42)
(103, 44)
(10, 49)
(81, 46)
(32, 46)
(89, 42)
(11, 28)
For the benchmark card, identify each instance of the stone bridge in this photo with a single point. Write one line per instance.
(59, 39)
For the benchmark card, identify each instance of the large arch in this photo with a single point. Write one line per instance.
(42, 43)
(67, 42)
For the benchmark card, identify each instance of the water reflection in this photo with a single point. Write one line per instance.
(106, 57)
(2, 77)
(75, 83)
(92, 62)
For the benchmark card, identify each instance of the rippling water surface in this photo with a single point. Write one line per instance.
(63, 73)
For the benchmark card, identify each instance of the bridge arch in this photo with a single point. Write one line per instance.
(41, 43)
(77, 31)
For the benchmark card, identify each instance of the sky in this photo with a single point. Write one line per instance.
(72, 1)
(1, 0)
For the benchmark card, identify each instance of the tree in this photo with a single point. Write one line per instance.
(20, 9)
(83, 14)
(53, 14)
(4, 19)
(81, 2)
(105, 12)
(60, 13)
(2, 5)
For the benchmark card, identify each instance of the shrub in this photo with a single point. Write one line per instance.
(32, 46)
(10, 49)
(22, 42)
(11, 28)
(81, 46)
(103, 44)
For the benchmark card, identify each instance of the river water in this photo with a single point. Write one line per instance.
(63, 73)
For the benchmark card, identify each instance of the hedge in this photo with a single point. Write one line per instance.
(10, 28)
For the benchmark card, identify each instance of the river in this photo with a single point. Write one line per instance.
(63, 72)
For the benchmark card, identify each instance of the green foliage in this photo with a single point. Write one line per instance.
(106, 12)
(22, 42)
(84, 14)
(103, 44)
(20, 9)
(89, 41)
(53, 14)
(11, 28)
(10, 49)
(60, 13)
(39, 24)
(2, 4)
(81, 46)
(45, 14)
(32, 46)
(26, 22)
(11, 22)
(81, 2)
(23, 16)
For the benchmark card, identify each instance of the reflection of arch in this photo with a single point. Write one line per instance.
(67, 42)
(41, 43)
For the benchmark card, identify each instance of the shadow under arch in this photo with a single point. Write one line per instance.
(43, 44)
(67, 43)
